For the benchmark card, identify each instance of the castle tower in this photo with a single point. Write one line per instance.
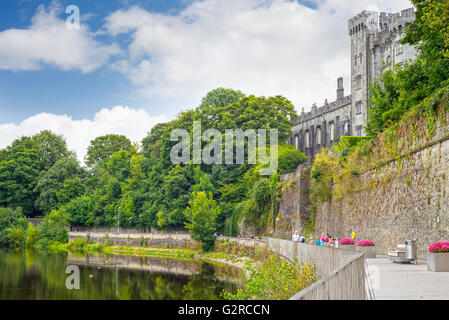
(375, 46)
(360, 28)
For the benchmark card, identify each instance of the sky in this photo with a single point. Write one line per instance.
(132, 64)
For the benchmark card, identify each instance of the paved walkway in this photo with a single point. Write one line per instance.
(394, 281)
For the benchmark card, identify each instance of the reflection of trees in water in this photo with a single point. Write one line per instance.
(29, 275)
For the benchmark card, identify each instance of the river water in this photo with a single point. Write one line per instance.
(30, 275)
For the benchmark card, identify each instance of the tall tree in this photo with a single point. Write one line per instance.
(201, 215)
(104, 147)
(53, 181)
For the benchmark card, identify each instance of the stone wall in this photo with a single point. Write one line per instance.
(294, 207)
(404, 199)
(159, 240)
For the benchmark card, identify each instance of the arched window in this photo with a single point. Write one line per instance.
(347, 128)
(307, 139)
(297, 142)
(318, 136)
(332, 131)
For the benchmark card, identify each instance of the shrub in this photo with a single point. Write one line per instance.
(347, 241)
(274, 279)
(16, 236)
(31, 236)
(366, 243)
(439, 247)
(12, 226)
(77, 244)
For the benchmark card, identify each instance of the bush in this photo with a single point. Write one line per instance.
(439, 247)
(365, 243)
(53, 228)
(347, 241)
(12, 227)
(77, 244)
(290, 158)
(31, 236)
(16, 236)
(274, 279)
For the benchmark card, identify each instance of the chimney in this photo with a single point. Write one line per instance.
(340, 89)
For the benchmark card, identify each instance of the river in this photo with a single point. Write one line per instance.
(31, 275)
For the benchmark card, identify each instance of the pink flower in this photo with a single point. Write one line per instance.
(347, 241)
(439, 247)
(365, 243)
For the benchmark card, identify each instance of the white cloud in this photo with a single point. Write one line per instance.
(135, 124)
(49, 42)
(260, 47)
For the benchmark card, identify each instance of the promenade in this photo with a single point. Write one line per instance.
(394, 281)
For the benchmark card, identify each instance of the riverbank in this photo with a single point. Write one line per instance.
(80, 245)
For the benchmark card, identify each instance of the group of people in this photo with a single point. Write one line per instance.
(296, 237)
(326, 240)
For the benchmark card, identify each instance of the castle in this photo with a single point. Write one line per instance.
(375, 46)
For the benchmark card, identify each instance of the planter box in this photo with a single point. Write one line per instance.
(370, 252)
(438, 262)
(347, 246)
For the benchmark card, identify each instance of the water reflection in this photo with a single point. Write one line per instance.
(29, 275)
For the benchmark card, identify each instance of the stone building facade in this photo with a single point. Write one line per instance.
(375, 47)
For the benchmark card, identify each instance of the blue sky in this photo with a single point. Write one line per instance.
(24, 93)
(135, 63)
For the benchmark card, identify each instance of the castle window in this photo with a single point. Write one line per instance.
(297, 142)
(358, 82)
(318, 136)
(358, 131)
(399, 49)
(389, 60)
(332, 131)
(358, 107)
(307, 139)
(346, 128)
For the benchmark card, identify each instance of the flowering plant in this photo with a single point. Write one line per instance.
(439, 247)
(325, 239)
(365, 243)
(347, 241)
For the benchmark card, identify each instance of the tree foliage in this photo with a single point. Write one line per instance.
(201, 215)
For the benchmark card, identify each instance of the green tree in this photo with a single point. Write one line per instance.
(290, 158)
(53, 228)
(12, 226)
(51, 148)
(104, 147)
(201, 215)
(19, 172)
(80, 211)
(51, 182)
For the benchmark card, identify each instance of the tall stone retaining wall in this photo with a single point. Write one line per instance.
(405, 199)
(294, 205)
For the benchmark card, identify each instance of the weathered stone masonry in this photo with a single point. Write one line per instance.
(405, 199)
